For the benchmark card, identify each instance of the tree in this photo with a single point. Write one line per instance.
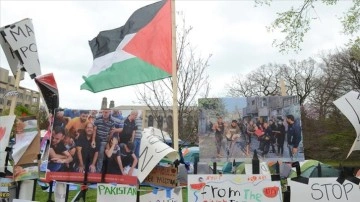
(295, 22)
(193, 82)
(263, 81)
(300, 79)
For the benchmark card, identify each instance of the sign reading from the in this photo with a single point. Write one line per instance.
(244, 188)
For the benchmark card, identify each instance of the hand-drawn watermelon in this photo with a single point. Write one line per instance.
(271, 192)
(197, 186)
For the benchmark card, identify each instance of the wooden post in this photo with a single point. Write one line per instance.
(16, 85)
(174, 80)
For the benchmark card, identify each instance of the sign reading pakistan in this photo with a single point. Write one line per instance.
(233, 128)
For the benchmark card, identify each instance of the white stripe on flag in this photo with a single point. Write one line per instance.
(105, 61)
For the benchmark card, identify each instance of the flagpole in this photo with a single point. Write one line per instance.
(174, 79)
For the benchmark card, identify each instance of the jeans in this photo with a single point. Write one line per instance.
(101, 155)
(293, 156)
(137, 142)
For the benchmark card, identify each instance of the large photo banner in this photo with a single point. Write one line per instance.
(324, 189)
(244, 188)
(98, 142)
(26, 149)
(232, 128)
(6, 124)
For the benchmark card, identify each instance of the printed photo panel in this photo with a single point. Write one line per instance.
(96, 142)
(234, 128)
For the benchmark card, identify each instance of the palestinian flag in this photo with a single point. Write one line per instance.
(138, 52)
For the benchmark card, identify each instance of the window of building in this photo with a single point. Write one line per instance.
(264, 102)
(150, 121)
(160, 122)
(253, 102)
(1, 100)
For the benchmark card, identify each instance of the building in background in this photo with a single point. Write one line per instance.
(28, 98)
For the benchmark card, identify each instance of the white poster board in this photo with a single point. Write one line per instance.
(118, 192)
(349, 105)
(244, 188)
(170, 195)
(152, 150)
(21, 38)
(324, 189)
(6, 124)
(263, 167)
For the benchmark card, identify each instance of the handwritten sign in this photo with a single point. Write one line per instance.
(6, 124)
(244, 188)
(21, 38)
(170, 195)
(162, 176)
(152, 150)
(110, 192)
(349, 105)
(324, 189)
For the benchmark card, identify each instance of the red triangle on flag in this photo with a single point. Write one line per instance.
(153, 42)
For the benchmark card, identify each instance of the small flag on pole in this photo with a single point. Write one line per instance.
(140, 51)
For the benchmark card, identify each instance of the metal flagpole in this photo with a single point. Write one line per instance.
(174, 79)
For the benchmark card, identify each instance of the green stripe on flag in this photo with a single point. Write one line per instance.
(125, 73)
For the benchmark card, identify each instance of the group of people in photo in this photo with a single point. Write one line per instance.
(101, 141)
(270, 136)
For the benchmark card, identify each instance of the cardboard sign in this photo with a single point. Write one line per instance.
(349, 105)
(162, 176)
(21, 38)
(26, 149)
(324, 189)
(168, 195)
(6, 124)
(110, 192)
(152, 150)
(244, 188)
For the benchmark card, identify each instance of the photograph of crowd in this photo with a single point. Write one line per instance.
(94, 141)
(235, 128)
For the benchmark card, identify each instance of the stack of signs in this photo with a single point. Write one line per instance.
(233, 188)
(26, 149)
(6, 124)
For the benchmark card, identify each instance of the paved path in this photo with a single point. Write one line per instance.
(237, 151)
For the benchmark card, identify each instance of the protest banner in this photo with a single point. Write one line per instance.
(164, 195)
(349, 104)
(227, 123)
(152, 150)
(244, 188)
(26, 149)
(115, 192)
(162, 176)
(21, 38)
(71, 152)
(6, 124)
(324, 189)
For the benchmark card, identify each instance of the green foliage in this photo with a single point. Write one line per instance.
(295, 22)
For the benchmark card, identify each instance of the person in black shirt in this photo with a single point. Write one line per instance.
(86, 154)
(128, 132)
(58, 153)
(128, 158)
